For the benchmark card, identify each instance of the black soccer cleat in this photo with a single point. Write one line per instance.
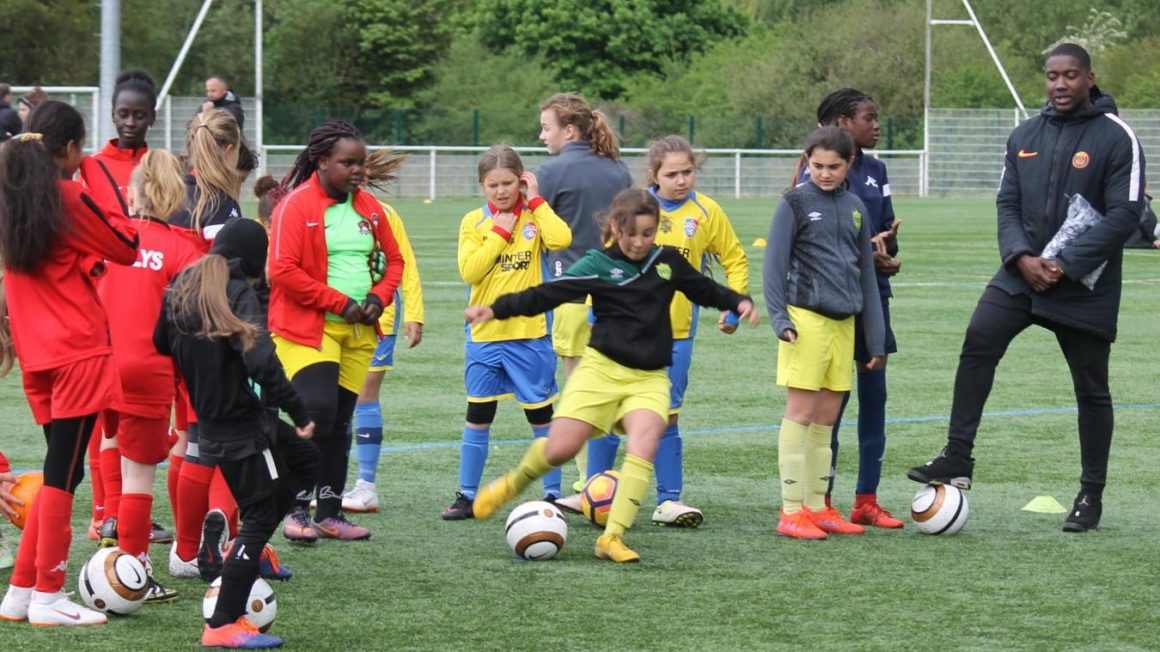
(211, 552)
(954, 470)
(109, 538)
(460, 510)
(1085, 512)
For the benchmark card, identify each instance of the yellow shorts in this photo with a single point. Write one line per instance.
(351, 346)
(601, 392)
(570, 329)
(822, 357)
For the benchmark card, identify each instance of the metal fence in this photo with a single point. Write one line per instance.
(964, 155)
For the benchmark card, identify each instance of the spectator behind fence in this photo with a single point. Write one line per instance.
(29, 102)
(219, 95)
(10, 123)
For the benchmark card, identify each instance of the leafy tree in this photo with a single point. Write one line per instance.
(49, 42)
(594, 46)
(400, 42)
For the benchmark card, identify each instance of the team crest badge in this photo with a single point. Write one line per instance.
(664, 271)
(857, 218)
(666, 225)
(529, 231)
(364, 227)
(691, 227)
(1080, 160)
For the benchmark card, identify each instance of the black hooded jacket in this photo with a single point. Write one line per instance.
(230, 102)
(1090, 152)
(218, 371)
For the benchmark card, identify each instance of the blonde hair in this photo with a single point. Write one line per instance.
(199, 298)
(159, 184)
(500, 156)
(215, 169)
(572, 109)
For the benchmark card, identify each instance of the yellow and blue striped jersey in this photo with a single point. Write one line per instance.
(699, 228)
(495, 266)
(410, 293)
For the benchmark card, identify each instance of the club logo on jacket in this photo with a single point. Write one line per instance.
(691, 224)
(364, 227)
(857, 218)
(529, 231)
(664, 271)
(1080, 160)
(871, 181)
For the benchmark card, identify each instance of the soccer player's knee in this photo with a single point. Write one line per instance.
(481, 412)
(539, 415)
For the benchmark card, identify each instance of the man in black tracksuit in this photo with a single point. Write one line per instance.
(1077, 145)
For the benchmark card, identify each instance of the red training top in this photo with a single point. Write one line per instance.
(106, 175)
(4, 466)
(297, 268)
(55, 314)
(132, 298)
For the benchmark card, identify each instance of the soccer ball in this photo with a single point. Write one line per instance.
(113, 582)
(536, 530)
(596, 498)
(261, 607)
(939, 509)
(25, 489)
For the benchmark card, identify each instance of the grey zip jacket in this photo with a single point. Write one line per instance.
(818, 257)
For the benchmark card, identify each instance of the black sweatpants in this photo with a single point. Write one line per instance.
(998, 318)
(332, 408)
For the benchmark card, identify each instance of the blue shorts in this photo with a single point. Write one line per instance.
(525, 369)
(679, 373)
(384, 357)
(861, 353)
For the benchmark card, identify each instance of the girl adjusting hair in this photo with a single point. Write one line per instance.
(819, 274)
(136, 424)
(696, 226)
(54, 241)
(857, 114)
(335, 266)
(212, 324)
(501, 250)
(404, 315)
(578, 184)
(621, 381)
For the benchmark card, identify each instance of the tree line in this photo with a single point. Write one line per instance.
(728, 73)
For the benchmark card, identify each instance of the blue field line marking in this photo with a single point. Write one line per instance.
(407, 448)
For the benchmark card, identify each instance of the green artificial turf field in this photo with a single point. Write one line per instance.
(1010, 580)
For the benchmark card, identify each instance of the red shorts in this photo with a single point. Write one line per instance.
(144, 440)
(74, 390)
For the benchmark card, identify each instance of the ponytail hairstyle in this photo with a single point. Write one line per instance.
(572, 109)
(321, 143)
(500, 156)
(201, 306)
(658, 149)
(138, 81)
(31, 218)
(842, 103)
(215, 169)
(382, 168)
(627, 204)
(268, 192)
(158, 185)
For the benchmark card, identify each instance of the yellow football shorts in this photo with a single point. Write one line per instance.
(823, 355)
(570, 329)
(349, 345)
(600, 392)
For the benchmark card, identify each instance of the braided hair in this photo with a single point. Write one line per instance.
(321, 143)
(842, 103)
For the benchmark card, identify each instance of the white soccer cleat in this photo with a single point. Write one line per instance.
(674, 513)
(570, 504)
(363, 498)
(179, 567)
(62, 612)
(14, 608)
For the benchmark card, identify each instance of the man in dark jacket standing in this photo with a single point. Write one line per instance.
(219, 95)
(10, 124)
(1077, 145)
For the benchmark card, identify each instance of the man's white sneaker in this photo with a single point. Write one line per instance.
(179, 567)
(56, 610)
(14, 608)
(363, 498)
(570, 504)
(674, 513)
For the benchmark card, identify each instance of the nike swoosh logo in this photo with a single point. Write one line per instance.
(68, 615)
(1026, 154)
(316, 223)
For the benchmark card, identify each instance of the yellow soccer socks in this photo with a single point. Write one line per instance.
(532, 467)
(635, 478)
(817, 465)
(791, 463)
